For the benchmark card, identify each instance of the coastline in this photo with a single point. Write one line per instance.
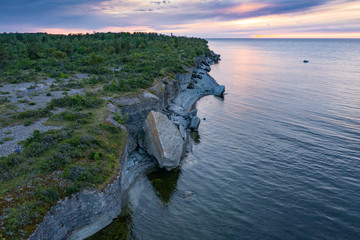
(89, 211)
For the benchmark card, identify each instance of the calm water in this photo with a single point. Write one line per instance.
(278, 158)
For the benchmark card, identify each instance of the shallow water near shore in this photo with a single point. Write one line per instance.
(277, 158)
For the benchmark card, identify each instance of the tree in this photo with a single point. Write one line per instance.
(3, 56)
(142, 45)
(59, 54)
(33, 50)
(96, 59)
(69, 48)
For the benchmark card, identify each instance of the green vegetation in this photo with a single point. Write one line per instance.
(85, 151)
(120, 118)
(58, 163)
(142, 57)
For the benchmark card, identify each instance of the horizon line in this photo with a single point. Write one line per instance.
(132, 32)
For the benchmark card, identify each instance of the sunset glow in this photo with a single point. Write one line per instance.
(266, 18)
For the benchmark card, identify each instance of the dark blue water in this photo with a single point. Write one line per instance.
(278, 158)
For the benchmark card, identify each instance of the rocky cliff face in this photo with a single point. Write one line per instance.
(184, 79)
(84, 213)
(87, 212)
(137, 106)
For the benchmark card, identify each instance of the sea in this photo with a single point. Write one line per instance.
(277, 158)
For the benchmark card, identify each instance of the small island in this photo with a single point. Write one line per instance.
(72, 112)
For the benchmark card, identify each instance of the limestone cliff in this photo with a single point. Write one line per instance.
(90, 210)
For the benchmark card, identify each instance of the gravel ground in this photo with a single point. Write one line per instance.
(19, 133)
(24, 93)
(29, 93)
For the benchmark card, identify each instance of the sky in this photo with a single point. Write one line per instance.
(198, 18)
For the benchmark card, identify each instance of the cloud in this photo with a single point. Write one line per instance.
(196, 17)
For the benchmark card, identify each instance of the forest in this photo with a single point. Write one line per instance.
(121, 61)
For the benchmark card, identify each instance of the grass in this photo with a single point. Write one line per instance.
(6, 139)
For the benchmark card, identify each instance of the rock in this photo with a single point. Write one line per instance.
(206, 68)
(207, 62)
(191, 114)
(184, 79)
(194, 123)
(186, 194)
(163, 140)
(179, 120)
(219, 90)
(182, 131)
(215, 57)
(142, 151)
(8, 199)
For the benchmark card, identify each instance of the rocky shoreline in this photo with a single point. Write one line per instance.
(89, 211)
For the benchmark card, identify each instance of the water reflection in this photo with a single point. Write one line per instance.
(195, 137)
(164, 183)
(119, 229)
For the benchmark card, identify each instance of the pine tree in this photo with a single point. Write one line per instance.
(33, 50)
(3, 56)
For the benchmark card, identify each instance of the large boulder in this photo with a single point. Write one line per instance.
(163, 140)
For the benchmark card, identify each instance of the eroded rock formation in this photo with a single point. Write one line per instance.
(163, 140)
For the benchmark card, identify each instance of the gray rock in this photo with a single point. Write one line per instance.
(185, 78)
(219, 90)
(206, 68)
(194, 123)
(215, 57)
(142, 151)
(179, 120)
(182, 131)
(191, 114)
(163, 140)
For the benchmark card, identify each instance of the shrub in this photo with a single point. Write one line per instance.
(93, 155)
(111, 128)
(20, 215)
(59, 54)
(41, 112)
(47, 195)
(80, 173)
(95, 59)
(121, 119)
(72, 116)
(72, 189)
(77, 101)
(55, 162)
